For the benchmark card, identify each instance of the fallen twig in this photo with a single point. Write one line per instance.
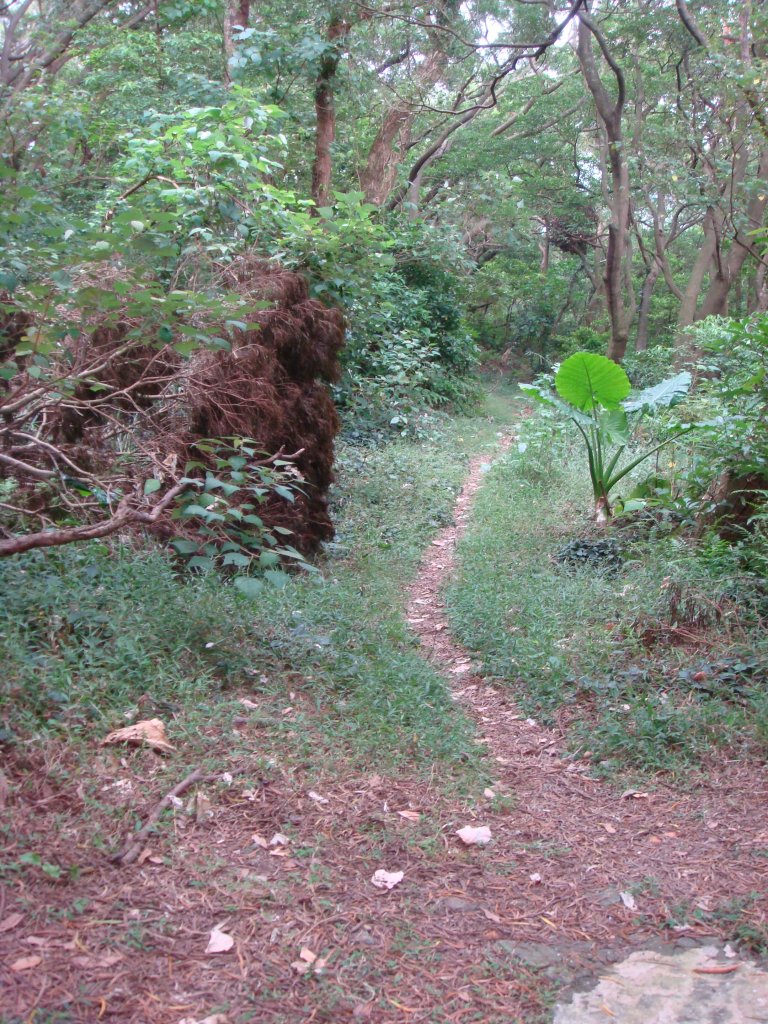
(130, 852)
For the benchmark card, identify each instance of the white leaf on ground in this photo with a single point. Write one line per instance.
(26, 963)
(250, 704)
(410, 815)
(278, 839)
(474, 836)
(729, 951)
(150, 733)
(258, 840)
(489, 794)
(10, 922)
(387, 879)
(316, 797)
(535, 878)
(214, 1018)
(628, 900)
(227, 778)
(219, 941)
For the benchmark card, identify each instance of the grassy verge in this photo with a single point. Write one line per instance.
(654, 664)
(95, 635)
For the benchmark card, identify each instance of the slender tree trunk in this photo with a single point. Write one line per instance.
(693, 288)
(325, 114)
(237, 15)
(759, 298)
(641, 341)
(610, 114)
(730, 265)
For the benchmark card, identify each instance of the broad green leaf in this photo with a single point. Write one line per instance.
(203, 563)
(249, 586)
(236, 558)
(277, 578)
(587, 380)
(152, 485)
(663, 395)
(185, 547)
(615, 425)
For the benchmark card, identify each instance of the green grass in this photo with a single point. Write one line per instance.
(573, 641)
(89, 632)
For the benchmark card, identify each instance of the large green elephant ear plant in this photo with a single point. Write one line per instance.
(594, 392)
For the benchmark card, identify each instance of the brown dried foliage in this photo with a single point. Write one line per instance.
(270, 388)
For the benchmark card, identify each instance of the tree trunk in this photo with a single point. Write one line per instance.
(325, 113)
(388, 148)
(729, 267)
(610, 116)
(237, 15)
(641, 341)
(692, 291)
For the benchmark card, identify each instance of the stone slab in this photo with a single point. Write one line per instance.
(650, 987)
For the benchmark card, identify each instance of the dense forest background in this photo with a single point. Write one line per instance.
(196, 194)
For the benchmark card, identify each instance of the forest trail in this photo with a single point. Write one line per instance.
(280, 854)
(602, 871)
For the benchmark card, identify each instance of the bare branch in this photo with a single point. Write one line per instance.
(125, 516)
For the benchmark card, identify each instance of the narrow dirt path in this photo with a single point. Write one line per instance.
(598, 870)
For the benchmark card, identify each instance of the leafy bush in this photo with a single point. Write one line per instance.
(594, 394)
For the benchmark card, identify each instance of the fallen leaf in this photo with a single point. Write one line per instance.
(219, 941)
(492, 917)
(634, 794)
(410, 815)
(535, 878)
(306, 961)
(387, 879)
(489, 794)
(5, 790)
(609, 828)
(258, 840)
(316, 797)
(10, 922)
(278, 839)
(26, 963)
(729, 951)
(474, 836)
(216, 1018)
(251, 705)
(150, 733)
(715, 969)
(628, 900)
(107, 960)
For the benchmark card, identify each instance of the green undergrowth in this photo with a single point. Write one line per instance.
(94, 636)
(652, 653)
